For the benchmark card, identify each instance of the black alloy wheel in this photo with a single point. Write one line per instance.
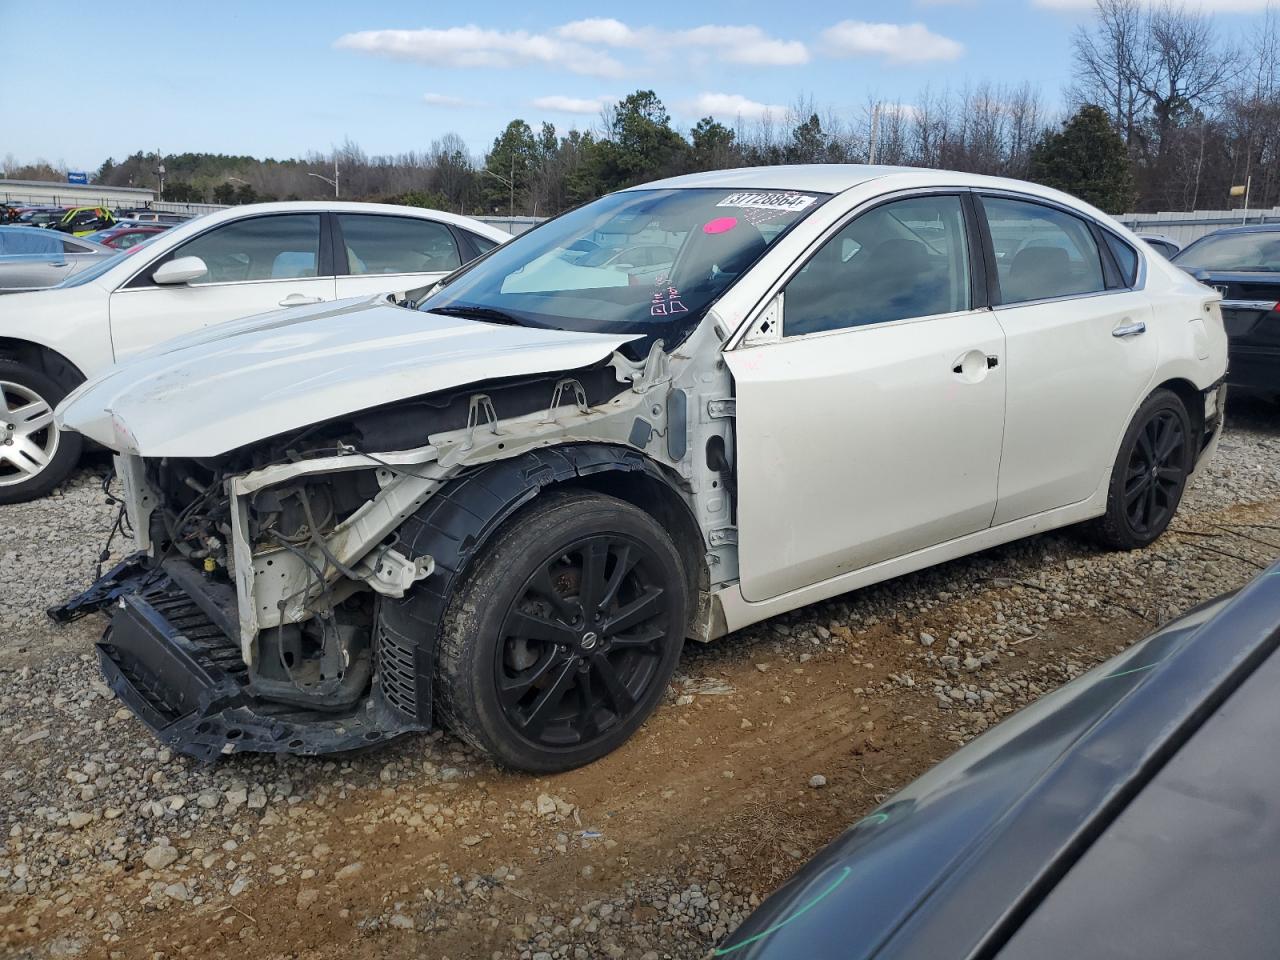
(1156, 473)
(582, 641)
(561, 636)
(1150, 474)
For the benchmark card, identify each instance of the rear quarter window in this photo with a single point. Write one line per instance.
(1126, 258)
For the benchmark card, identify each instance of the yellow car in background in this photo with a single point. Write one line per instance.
(82, 221)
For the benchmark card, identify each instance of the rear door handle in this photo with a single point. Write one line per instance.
(298, 300)
(1130, 329)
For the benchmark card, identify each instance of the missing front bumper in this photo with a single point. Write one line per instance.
(179, 672)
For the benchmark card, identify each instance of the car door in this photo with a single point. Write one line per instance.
(871, 427)
(32, 258)
(1079, 356)
(254, 265)
(384, 253)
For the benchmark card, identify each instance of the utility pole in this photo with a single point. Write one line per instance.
(875, 132)
(160, 174)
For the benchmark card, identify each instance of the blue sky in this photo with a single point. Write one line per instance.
(281, 79)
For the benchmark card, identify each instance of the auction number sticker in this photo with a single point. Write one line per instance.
(781, 202)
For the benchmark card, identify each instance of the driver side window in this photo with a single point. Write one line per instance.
(285, 246)
(906, 258)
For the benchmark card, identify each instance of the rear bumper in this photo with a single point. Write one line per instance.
(1215, 400)
(183, 677)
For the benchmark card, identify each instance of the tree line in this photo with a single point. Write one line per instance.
(1163, 113)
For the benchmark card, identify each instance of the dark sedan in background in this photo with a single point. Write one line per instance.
(1243, 264)
(1134, 813)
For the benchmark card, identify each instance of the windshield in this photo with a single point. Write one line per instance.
(641, 261)
(1240, 252)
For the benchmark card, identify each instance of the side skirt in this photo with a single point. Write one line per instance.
(740, 612)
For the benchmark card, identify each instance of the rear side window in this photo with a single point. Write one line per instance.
(1041, 252)
(1126, 258)
(482, 244)
(263, 248)
(379, 244)
(23, 240)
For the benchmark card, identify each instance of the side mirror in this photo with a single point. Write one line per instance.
(182, 270)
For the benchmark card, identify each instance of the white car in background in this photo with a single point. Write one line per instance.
(222, 266)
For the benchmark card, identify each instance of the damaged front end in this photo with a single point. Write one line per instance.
(246, 622)
(278, 601)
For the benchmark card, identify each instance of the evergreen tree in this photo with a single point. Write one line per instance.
(1086, 159)
(508, 166)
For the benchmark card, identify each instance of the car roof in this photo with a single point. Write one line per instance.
(340, 206)
(1189, 867)
(817, 177)
(1251, 228)
(839, 177)
(953, 864)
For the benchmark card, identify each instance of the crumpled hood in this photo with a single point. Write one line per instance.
(235, 383)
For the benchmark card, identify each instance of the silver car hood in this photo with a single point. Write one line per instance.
(236, 383)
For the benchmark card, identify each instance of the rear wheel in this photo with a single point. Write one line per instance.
(562, 637)
(34, 455)
(1149, 475)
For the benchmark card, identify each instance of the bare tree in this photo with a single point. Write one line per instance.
(1114, 64)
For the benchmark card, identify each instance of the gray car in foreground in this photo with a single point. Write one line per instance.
(1130, 814)
(31, 258)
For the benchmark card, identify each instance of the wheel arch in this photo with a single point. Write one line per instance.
(1192, 398)
(455, 524)
(43, 358)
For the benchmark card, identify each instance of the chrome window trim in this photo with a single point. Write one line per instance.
(221, 283)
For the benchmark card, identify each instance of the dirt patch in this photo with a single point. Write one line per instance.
(656, 851)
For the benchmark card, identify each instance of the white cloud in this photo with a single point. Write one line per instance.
(734, 44)
(573, 104)
(473, 46)
(744, 45)
(906, 111)
(1205, 6)
(605, 30)
(730, 105)
(444, 100)
(896, 42)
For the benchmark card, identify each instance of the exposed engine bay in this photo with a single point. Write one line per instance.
(261, 610)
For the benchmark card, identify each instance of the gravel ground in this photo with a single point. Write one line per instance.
(770, 742)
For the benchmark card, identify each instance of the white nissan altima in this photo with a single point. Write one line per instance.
(222, 266)
(505, 507)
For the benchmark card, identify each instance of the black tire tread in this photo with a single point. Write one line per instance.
(1111, 530)
(456, 695)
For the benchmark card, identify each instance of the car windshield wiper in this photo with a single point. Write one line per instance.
(473, 312)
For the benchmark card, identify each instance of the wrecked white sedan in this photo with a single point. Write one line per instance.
(505, 507)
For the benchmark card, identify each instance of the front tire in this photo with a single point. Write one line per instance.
(1150, 474)
(35, 456)
(561, 638)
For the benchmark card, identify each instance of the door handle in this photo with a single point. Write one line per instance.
(1130, 329)
(972, 365)
(298, 300)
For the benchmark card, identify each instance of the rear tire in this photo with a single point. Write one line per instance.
(1149, 476)
(561, 638)
(34, 455)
